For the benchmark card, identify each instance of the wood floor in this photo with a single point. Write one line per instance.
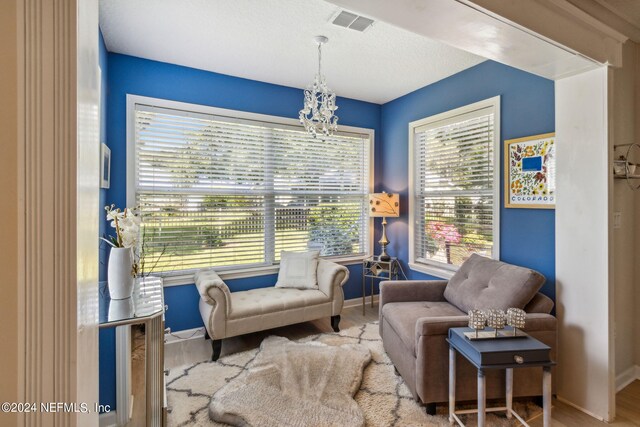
(196, 350)
(192, 351)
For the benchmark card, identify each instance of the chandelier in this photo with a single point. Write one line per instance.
(318, 116)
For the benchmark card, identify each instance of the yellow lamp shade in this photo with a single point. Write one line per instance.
(384, 204)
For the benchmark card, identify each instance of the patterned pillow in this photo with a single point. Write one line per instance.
(298, 270)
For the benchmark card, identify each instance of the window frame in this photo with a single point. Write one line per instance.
(437, 268)
(234, 272)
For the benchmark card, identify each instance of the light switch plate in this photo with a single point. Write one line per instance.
(617, 219)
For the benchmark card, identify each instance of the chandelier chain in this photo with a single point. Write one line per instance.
(319, 59)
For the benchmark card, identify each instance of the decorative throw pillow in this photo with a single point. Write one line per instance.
(298, 270)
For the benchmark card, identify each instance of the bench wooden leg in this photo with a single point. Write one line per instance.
(430, 408)
(216, 346)
(335, 323)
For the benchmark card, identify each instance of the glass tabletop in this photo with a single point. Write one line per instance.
(147, 301)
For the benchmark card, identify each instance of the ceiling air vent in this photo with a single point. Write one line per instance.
(353, 21)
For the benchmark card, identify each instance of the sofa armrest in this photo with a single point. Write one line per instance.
(540, 322)
(540, 303)
(330, 276)
(213, 290)
(411, 290)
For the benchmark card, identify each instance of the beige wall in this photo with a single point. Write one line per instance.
(9, 210)
(637, 209)
(624, 202)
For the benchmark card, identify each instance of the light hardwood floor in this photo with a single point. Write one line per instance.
(193, 351)
(197, 350)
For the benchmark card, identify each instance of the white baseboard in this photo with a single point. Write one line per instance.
(198, 333)
(581, 409)
(627, 377)
(355, 302)
(108, 419)
(186, 334)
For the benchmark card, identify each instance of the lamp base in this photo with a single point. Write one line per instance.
(384, 242)
(384, 256)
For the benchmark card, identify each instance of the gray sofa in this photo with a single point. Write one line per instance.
(228, 314)
(415, 317)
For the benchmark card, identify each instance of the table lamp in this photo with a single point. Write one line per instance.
(384, 205)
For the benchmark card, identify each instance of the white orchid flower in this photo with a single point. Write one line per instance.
(127, 225)
(129, 238)
(114, 214)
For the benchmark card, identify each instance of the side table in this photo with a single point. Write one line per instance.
(374, 269)
(146, 307)
(502, 353)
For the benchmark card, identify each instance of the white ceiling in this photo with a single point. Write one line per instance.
(271, 41)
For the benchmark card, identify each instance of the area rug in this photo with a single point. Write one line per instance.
(294, 384)
(383, 396)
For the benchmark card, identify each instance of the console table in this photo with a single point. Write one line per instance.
(501, 353)
(146, 307)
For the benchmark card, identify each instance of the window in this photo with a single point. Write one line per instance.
(454, 187)
(226, 189)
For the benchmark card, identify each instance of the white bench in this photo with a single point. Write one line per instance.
(228, 314)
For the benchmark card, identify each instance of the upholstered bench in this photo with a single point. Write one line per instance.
(227, 314)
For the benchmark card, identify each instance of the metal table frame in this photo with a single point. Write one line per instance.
(374, 269)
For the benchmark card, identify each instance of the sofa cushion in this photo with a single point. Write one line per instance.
(268, 300)
(487, 283)
(298, 270)
(402, 317)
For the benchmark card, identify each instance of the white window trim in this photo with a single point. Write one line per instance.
(240, 273)
(234, 272)
(435, 268)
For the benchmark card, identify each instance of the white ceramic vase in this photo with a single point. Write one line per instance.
(119, 273)
(120, 309)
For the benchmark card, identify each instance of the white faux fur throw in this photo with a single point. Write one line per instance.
(295, 384)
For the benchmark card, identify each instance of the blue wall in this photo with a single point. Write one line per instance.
(527, 236)
(131, 75)
(527, 108)
(137, 76)
(104, 85)
(106, 336)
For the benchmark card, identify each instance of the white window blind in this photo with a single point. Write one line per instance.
(454, 188)
(218, 191)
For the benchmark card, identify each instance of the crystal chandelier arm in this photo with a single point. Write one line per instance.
(317, 115)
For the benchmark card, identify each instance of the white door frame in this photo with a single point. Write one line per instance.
(58, 212)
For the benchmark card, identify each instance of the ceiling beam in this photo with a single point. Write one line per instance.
(563, 23)
(472, 27)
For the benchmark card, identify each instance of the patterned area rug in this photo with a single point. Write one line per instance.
(383, 395)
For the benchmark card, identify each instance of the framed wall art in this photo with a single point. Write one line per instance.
(105, 166)
(530, 172)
